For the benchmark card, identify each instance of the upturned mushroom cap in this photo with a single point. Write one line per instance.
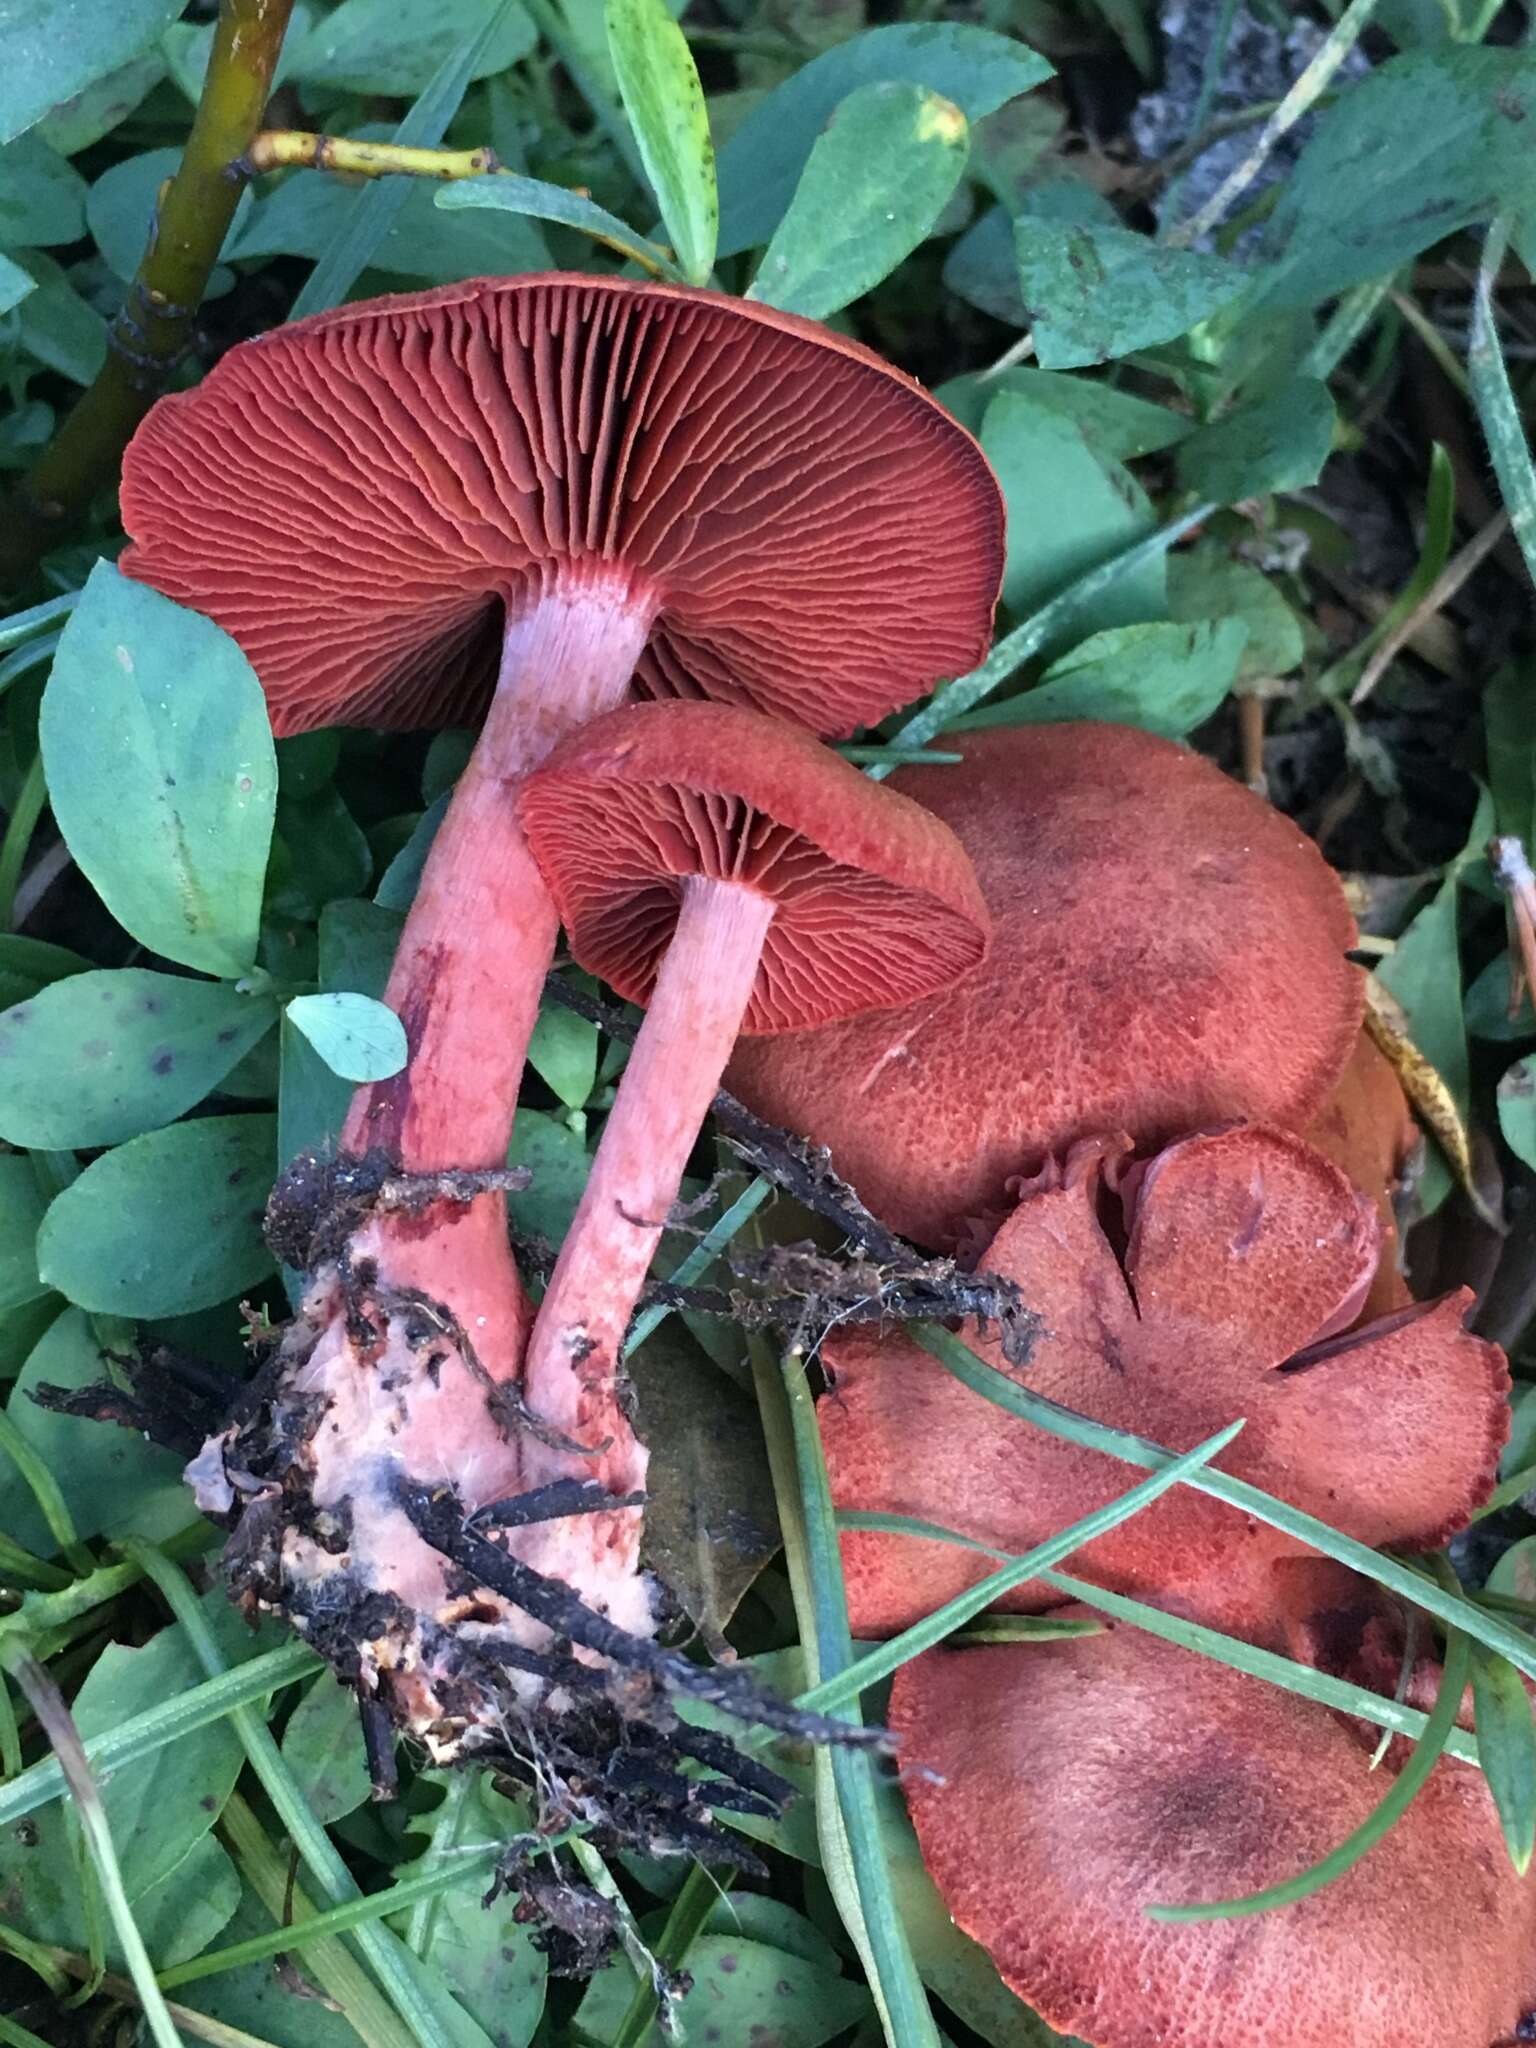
(1168, 954)
(875, 900)
(1060, 1788)
(1245, 1249)
(1367, 1129)
(358, 497)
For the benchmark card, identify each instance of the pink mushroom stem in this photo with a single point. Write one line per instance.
(481, 933)
(701, 995)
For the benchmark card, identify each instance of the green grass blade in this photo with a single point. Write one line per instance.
(841, 1691)
(375, 208)
(48, 1704)
(53, 611)
(1506, 1737)
(391, 1961)
(957, 1358)
(1495, 400)
(1410, 1781)
(852, 1844)
(951, 700)
(701, 1258)
(157, 1727)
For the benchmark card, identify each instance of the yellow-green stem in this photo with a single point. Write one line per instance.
(150, 333)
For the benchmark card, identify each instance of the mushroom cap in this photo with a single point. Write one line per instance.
(1367, 1129)
(357, 497)
(1168, 954)
(1244, 1250)
(875, 900)
(1059, 1788)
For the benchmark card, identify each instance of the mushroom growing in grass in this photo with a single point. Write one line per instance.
(731, 874)
(1168, 953)
(1244, 1252)
(1060, 1789)
(515, 501)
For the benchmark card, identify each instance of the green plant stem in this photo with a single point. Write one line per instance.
(690, 1911)
(15, 2035)
(553, 27)
(19, 827)
(151, 331)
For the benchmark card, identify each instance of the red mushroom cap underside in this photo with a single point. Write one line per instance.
(875, 899)
(358, 497)
(1246, 1249)
(1168, 954)
(1060, 1788)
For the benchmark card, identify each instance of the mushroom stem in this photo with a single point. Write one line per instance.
(481, 934)
(702, 990)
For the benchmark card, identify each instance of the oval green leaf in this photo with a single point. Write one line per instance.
(167, 1223)
(161, 771)
(878, 178)
(659, 83)
(359, 1039)
(1506, 1742)
(1517, 1110)
(100, 1057)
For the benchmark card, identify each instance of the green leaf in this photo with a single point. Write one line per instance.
(120, 212)
(1510, 734)
(1498, 409)
(15, 284)
(563, 1053)
(21, 1212)
(1164, 678)
(168, 807)
(761, 164)
(114, 1482)
(100, 1057)
(514, 194)
(55, 324)
(103, 105)
(358, 1038)
(878, 177)
(27, 965)
(1486, 1006)
(395, 46)
(1116, 425)
(50, 51)
(557, 1159)
(1091, 511)
(710, 1525)
(1517, 1109)
(263, 2003)
(659, 83)
(489, 1964)
(1424, 146)
(167, 1223)
(323, 1747)
(1506, 1742)
(325, 855)
(357, 945)
(1205, 582)
(1092, 292)
(742, 1989)
(1276, 443)
(42, 196)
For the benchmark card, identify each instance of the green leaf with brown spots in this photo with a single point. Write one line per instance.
(97, 1058)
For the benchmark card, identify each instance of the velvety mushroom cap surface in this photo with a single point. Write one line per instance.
(874, 899)
(1168, 954)
(1060, 1788)
(359, 498)
(1244, 1250)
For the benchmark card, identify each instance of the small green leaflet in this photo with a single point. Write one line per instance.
(1517, 1110)
(1276, 443)
(168, 809)
(662, 96)
(1506, 1742)
(1095, 292)
(516, 194)
(878, 178)
(49, 53)
(358, 1038)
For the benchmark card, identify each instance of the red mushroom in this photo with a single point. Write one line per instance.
(1245, 1249)
(733, 875)
(1367, 1129)
(1168, 954)
(517, 498)
(1061, 1788)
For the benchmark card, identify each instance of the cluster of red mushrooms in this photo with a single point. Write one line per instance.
(1077, 1010)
